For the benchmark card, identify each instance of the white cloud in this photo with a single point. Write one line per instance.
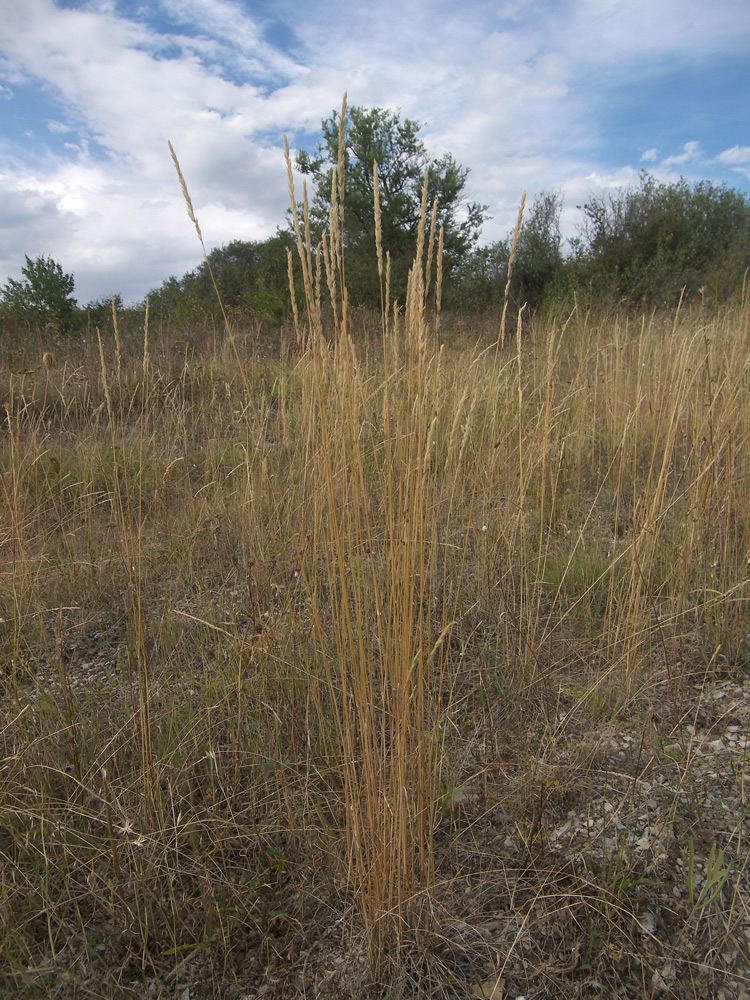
(738, 158)
(130, 103)
(691, 151)
(615, 33)
(239, 37)
(650, 156)
(736, 155)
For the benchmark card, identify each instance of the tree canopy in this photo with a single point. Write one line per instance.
(648, 243)
(250, 276)
(638, 247)
(538, 269)
(376, 135)
(641, 246)
(45, 296)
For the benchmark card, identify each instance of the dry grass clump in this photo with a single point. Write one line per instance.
(386, 662)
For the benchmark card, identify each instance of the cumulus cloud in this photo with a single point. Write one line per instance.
(106, 75)
(690, 151)
(738, 158)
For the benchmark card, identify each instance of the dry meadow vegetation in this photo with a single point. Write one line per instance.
(396, 658)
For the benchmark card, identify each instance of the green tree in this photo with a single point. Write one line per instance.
(251, 276)
(478, 279)
(45, 296)
(538, 270)
(539, 259)
(645, 244)
(99, 311)
(376, 135)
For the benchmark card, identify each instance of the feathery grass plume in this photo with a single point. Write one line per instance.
(340, 170)
(118, 352)
(328, 256)
(430, 246)
(227, 325)
(146, 355)
(383, 280)
(194, 219)
(293, 295)
(338, 188)
(378, 220)
(105, 383)
(511, 260)
(419, 254)
(334, 227)
(439, 281)
(386, 301)
(304, 249)
(415, 285)
(306, 215)
(186, 195)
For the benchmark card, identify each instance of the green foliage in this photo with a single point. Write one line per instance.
(45, 296)
(376, 135)
(639, 247)
(538, 269)
(539, 262)
(478, 279)
(250, 277)
(99, 311)
(646, 244)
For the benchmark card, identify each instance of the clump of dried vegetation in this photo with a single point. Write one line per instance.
(384, 664)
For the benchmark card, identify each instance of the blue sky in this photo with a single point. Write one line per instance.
(575, 96)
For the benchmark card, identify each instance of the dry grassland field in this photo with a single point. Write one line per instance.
(396, 656)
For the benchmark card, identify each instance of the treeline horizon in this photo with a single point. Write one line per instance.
(642, 247)
(646, 246)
